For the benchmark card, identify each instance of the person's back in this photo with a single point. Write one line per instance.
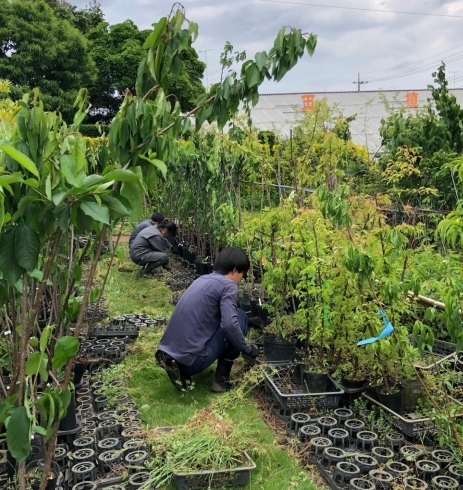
(210, 302)
(155, 219)
(140, 227)
(150, 239)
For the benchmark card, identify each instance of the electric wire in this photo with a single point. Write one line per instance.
(364, 9)
(398, 67)
(422, 69)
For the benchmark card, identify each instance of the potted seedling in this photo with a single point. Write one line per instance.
(34, 473)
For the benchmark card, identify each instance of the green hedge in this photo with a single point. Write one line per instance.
(92, 131)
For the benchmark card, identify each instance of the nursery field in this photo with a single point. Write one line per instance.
(162, 405)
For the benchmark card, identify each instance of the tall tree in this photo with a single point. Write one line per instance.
(117, 50)
(38, 49)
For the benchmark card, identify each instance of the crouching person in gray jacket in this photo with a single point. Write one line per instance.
(148, 248)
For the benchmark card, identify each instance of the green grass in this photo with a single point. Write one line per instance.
(127, 292)
(162, 405)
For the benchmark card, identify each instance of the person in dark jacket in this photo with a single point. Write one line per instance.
(206, 325)
(148, 248)
(155, 219)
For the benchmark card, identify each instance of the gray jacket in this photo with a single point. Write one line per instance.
(148, 240)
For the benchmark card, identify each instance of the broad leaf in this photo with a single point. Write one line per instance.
(122, 175)
(9, 266)
(65, 348)
(37, 364)
(64, 398)
(18, 434)
(98, 213)
(45, 337)
(132, 193)
(115, 205)
(155, 36)
(69, 171)
(27, 247)
(261, 59)
(157, 163)
(22, 159)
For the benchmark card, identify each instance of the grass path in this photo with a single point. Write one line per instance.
(161, 405)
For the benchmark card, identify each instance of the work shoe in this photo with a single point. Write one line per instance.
(220, 384)
(171, 368)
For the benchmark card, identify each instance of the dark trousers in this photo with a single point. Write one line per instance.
(151, 260)
(218, 347)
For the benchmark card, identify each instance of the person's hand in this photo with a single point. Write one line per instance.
(254, 351)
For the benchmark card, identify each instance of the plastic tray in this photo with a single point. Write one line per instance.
(411, 424)
(291, 394)
(440, 350)
(215, 478)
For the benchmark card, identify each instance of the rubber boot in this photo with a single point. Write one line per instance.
(221, 381)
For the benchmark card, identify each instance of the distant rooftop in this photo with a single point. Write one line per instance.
(280, 112)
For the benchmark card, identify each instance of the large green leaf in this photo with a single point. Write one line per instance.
(155, 36)
(37, 364)
(27, 247)
(157, 163)
(64, 398)
(18, 434)
(122, 175)
(95, 211)
(115, 206)
(132, 193)
(22, 159)
(69, 171)
(65, 348)
(45, 337)
(261, 59)
(9, 266)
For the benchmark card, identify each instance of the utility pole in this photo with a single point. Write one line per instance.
(358, 82)
(205, 51)
(454, 73)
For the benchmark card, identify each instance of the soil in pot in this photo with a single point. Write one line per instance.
(392, 400)
(34, 472)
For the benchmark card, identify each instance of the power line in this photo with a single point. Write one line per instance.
(422, 69)
(364, 9)
(414, 62)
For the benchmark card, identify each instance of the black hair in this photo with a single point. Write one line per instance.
(170, 226)
(231, 258)
(157, 217)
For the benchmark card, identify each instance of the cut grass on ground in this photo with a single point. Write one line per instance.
(162, 405)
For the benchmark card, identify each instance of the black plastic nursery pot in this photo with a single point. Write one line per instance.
(393, 401)
(316, 382)
(202, 268)
(275, 351)
(79, 371)
(412, 390)
(34, 472)
(353, 384)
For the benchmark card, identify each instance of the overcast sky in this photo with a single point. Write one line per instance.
(349, 41)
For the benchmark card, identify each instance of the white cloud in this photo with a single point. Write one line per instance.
(350, 41)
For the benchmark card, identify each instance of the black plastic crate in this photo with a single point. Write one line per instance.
(290, 393)
(411, 424)
(440, 350)
(215, 478)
